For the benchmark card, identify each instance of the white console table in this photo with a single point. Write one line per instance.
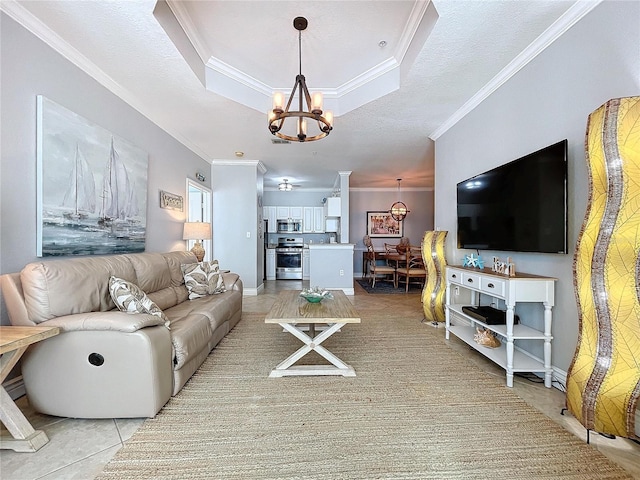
(521, 288)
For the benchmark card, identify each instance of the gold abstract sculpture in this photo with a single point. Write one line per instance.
(433, 292)
(603, 384)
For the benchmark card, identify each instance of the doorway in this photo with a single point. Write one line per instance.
(199, 210)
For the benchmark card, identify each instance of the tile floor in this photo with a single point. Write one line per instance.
(79, 449)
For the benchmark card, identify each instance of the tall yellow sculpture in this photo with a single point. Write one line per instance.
(433, 292)
(603, 385)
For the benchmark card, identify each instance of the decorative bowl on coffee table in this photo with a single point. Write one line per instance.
(315, 294)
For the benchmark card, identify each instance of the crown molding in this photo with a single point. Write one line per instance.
(230, 82)
(390, 189)
(238, 76)
(243, 163)
(30, 22)
(360, 81)
(324, 191)
(186, 22)
(546, 38)
(411, 28)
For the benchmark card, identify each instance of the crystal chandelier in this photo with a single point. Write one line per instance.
(278, 115)
(398, 210)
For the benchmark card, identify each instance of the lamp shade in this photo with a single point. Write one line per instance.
(197, 231)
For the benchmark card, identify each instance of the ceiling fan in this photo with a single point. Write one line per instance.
(285, 186)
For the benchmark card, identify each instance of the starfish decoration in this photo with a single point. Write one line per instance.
(473, 261)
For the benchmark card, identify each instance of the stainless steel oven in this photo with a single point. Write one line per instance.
(289, 259)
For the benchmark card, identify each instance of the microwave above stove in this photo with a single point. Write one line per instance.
(289, 226)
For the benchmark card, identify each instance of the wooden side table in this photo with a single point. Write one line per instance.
(13, 343)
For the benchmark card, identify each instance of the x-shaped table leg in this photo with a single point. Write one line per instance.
(287, 366)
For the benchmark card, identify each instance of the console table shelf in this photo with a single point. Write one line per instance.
(521, 362)
(512, 290)
(520, 332)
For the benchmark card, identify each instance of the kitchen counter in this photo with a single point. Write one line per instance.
(331, 245)
(331, 266)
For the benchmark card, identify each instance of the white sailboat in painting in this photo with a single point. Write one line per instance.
(118, 196)
(119, 200)
(80, 196)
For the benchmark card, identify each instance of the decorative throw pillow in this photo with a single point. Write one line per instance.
(202, 279)
(129, 298)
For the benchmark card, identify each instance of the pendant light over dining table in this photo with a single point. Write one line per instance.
(279, 113)
(398, 210)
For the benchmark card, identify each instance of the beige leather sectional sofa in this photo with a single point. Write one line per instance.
(107, 363)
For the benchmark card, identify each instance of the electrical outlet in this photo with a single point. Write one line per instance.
(342, 273)
(248, 234)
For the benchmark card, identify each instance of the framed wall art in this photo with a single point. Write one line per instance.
(381, 224)
(91, 187)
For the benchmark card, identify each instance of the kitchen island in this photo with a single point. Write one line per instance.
(331, 266)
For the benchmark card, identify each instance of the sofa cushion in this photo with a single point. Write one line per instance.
(216, 308)
(189, 336)
(177, 293)
(129, 298)
(152, 271)
(55, 288)
(174, 260)
(165, 298)
(202, 279)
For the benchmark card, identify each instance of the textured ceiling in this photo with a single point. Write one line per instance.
(124, 46)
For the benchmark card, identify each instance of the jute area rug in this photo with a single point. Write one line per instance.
(415, 410)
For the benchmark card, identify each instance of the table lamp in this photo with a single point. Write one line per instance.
(197, 231)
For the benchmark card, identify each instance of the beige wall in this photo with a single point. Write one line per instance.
(420, 217)
(30, 68)
(547, 101)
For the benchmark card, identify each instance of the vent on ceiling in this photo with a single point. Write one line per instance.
(279, 141)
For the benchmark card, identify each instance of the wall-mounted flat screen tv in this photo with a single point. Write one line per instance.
(520, 206)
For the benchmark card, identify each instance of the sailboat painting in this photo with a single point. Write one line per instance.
(92, 187)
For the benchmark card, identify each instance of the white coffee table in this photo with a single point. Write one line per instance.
(291, 311)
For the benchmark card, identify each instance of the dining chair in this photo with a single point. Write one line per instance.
(365, 263)
(376, 270)
(404, 244)
(413, 268)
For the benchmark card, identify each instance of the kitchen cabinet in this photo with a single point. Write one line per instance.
(521, 288)
(332, 207)
(295, 213)
(313, 221)
(332, 225)
(284, 213)
(307, 220)
(269, 214)
(305, 264)
(271, 263)
(318, 219)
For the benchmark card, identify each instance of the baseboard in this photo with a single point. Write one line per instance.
(15, 387)
(252, 292)
(560, 376)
